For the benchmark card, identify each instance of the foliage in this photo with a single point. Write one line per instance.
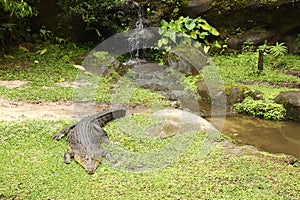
(12, 20)
(261, 108)
(102, 17)
(277, 50)
(187, 30)
(49, 36)
(19, 9)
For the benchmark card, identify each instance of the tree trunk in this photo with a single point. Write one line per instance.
(260, 64)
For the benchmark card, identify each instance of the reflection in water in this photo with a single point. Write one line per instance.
(271, 136)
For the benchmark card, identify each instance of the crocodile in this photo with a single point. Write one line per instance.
(84, 139)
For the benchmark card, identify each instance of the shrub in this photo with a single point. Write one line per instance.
(187, 30)
(261, 108)
(13, 20)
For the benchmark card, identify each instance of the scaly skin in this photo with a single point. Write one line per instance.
(84, 139)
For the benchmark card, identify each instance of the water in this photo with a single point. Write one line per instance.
(270, 136)
(136, 39)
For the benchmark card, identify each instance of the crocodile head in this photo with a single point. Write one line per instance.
(88, 160)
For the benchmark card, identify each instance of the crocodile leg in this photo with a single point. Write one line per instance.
(68, 155)
(104, 137)
(103, 133)
(63, 132)
(108, 156)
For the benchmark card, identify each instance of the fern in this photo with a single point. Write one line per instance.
(279, 49)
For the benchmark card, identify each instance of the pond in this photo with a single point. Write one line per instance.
(266, 135)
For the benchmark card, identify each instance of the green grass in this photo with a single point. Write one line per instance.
(32, 168)
(243, 68)
(268, 91)
(54, 67)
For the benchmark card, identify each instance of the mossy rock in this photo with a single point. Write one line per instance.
(291, 102)
(234, 93)
(237, 93)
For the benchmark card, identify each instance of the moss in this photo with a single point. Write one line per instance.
(230, 5)
(237, 93)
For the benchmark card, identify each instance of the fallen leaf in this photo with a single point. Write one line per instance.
(79, 67)
(87, 73)
(8, 56)
(23, 49)
(43, 51)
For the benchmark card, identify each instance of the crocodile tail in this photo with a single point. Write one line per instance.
(118, 113)
(107, 116)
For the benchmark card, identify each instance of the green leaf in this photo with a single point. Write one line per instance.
(176, 10)
(164, 23)
(205, 26)
(43, 51)
(159, 43)
(203, 35)
(214, 32)
(190, 24)
(193, 35)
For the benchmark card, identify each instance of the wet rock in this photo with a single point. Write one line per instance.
(103, 63)
(291, 102)
(167, 82)
(159, 79)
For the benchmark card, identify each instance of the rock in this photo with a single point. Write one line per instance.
(236, 94)
(291, 102)
(233, 18)
(195, 7)
(178, 121)
(226, 94)
(187, 60)
(292, 72)
(103, 63)
(254, 36)
(162, 80)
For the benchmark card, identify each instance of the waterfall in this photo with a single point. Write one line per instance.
(137, 37)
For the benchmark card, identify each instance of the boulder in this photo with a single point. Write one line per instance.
(291, 102)
(254, 36)
(226, 94)
(195, 7)
(233, 18)
(178, 121)
(187, 59)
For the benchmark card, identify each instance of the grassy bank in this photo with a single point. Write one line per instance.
(242, 69)
(32, 168)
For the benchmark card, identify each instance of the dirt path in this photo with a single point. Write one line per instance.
(16, 110)
(20, 110)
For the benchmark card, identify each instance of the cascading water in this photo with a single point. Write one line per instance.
(137, 38)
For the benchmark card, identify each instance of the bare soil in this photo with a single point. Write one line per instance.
(17, 110)
(21, 110)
